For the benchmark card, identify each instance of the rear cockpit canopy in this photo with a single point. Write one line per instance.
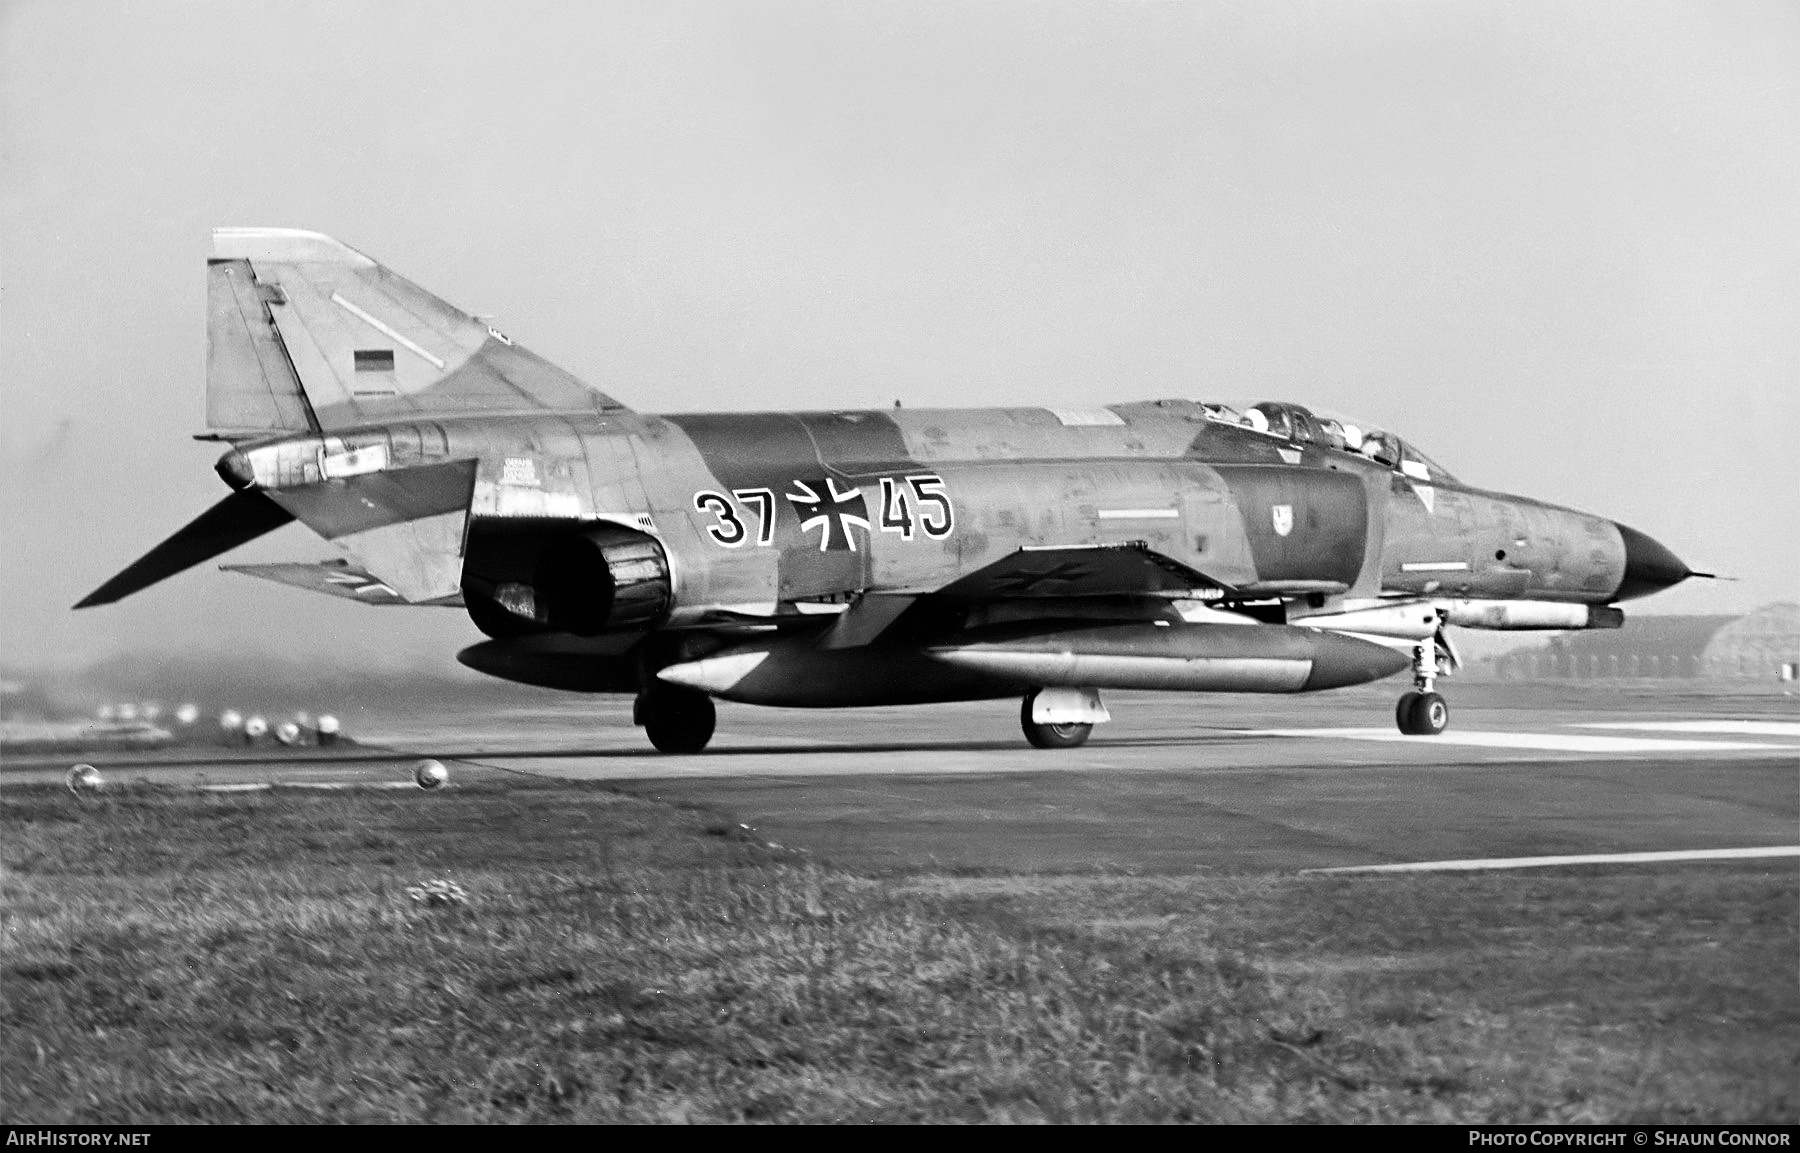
(1298, 424)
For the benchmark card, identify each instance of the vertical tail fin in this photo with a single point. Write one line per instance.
(307, 334)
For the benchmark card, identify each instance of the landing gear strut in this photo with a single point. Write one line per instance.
(676, 720)
(1423, 712)
(1055, 732)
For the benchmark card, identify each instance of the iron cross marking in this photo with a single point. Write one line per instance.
(823, 505)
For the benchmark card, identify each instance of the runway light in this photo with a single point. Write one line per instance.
(84, 779)
(288, 733)
(107, 712)
(327, 729)
(150, 710)
(255, 728)
(231, 720)
(128, 712)
(187, 714)
(429, 774)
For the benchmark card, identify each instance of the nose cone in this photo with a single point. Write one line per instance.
(1649, 567)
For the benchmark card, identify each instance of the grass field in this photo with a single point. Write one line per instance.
(177, 957)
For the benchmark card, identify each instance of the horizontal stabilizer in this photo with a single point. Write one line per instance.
(338, 578)
(1100, 570)
(239, 518)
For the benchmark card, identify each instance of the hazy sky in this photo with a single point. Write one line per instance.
(1557, 244)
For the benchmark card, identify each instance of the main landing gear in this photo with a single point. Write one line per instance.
(1423, 712)
(675, 720)
(1060, 718)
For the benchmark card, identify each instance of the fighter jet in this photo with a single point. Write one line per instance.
(842, 558)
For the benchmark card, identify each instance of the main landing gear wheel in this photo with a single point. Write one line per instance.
(677, 720)
(1046, 735)
(1422, 714)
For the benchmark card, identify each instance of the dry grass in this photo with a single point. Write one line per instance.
(178, 957)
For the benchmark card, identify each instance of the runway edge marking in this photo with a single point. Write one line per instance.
(1738, 728)
(1476, 864)
(1551, 742)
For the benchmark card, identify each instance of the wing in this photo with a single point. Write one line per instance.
(1032, 583)
(1084, 571)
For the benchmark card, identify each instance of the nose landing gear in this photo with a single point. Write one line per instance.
(1424, 712)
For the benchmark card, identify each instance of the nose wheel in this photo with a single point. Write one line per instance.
(1423, 712)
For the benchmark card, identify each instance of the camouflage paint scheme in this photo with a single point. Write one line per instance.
(843, 557)
(1008, 479)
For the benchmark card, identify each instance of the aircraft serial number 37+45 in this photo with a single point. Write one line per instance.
(844, 558)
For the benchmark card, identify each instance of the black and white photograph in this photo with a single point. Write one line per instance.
(903, 562)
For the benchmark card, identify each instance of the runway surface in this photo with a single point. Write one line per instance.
(1175, 783)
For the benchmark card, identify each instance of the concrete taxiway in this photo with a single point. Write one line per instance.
(1176, 782)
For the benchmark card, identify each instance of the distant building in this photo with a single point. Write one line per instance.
(1764, 645)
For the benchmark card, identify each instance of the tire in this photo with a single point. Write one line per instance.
(1430, 715)
(1403, 711)
(679, 722)
(1049, 736)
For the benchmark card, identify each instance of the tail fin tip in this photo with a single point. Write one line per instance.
(284, 245)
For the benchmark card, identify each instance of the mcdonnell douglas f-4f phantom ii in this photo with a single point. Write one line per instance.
(842, 558)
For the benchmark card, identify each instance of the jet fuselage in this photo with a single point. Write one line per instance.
(848, 557)
(756, 510)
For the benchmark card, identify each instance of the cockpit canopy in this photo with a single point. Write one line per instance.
(1298, 424)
